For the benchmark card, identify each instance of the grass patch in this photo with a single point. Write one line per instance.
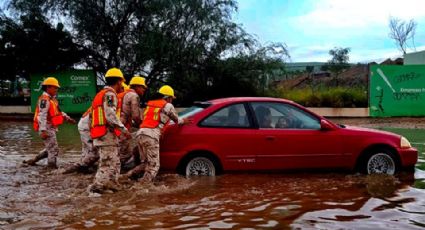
(338, 97)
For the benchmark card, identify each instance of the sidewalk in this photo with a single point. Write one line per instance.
(15, 109)
(25, 111)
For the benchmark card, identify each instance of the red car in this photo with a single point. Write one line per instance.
(270, 134)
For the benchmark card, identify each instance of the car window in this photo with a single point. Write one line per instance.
(233, 116)
(276, 115)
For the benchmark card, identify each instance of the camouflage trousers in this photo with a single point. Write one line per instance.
(89, 153)
(149, 151)
(51, 149)
(124, 150)
(109, 169)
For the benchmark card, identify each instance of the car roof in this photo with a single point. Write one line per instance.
(246, 99)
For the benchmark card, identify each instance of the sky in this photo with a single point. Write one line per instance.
(310, 28)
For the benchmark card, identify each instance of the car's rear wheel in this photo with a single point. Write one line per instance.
(381, 161)
(200, 166)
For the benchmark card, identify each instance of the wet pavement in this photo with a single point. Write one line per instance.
(37, 198)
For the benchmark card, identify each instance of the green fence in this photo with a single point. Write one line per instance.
(78, 88)
(397, 90)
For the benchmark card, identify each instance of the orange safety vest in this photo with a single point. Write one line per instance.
(151, 115)
(54, 115)
(98, 123)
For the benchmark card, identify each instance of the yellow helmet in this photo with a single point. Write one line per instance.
(114, 72)
(137, 80)
(51, 81)
(125, 86)
(166, 90)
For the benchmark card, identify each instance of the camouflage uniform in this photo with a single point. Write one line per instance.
(130, 112)
(89, 153)
(148, 141)
(51, 148)
(109, 162)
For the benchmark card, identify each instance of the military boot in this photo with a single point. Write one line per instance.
(70, 169)
(42, 154)
(95, 188)
(31, 162)
(52, 164)
(136, 171)
(114, 187)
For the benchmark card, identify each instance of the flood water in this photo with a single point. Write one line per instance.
(37, 198)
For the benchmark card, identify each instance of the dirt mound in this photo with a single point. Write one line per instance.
(355, 76)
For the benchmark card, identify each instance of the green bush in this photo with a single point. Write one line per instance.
(337, 97)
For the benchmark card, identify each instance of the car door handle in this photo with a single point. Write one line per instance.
(270, 138)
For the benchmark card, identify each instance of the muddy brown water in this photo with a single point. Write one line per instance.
(37, 198)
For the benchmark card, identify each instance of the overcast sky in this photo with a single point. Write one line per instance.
(310, 28)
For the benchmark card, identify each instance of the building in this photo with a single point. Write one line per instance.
(416, 58)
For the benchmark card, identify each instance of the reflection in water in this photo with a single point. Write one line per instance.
(381, 185)
(38, 198)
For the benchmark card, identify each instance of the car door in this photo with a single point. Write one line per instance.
(299, 144)
(229, 134)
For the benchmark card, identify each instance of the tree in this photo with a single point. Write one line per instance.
(31, 45)
(339, 61)
(310, 77)
(146, 36)
(401, 32)
(241, 75)
(186, 43)
(189, 35)
(102, 29)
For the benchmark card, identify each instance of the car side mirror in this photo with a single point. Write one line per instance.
(326, 125)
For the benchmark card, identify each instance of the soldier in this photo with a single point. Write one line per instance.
(47, 118)
(89, 153)
(156, 115)
(104, 131)
(129, 104)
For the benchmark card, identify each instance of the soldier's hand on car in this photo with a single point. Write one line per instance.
(187, 120)
(44, 135)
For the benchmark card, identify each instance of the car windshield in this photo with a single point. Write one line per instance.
(190, 111)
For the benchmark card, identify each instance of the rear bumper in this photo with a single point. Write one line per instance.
(408, 156)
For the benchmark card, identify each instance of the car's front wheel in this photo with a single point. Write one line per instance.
(380, 161)
(200, 166)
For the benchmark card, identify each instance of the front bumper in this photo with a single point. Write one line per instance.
(408, 156)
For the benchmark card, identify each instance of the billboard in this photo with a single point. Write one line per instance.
(76, 92)
(397, 90)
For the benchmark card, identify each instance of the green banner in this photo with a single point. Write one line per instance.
(76, 92)
(397, 90)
